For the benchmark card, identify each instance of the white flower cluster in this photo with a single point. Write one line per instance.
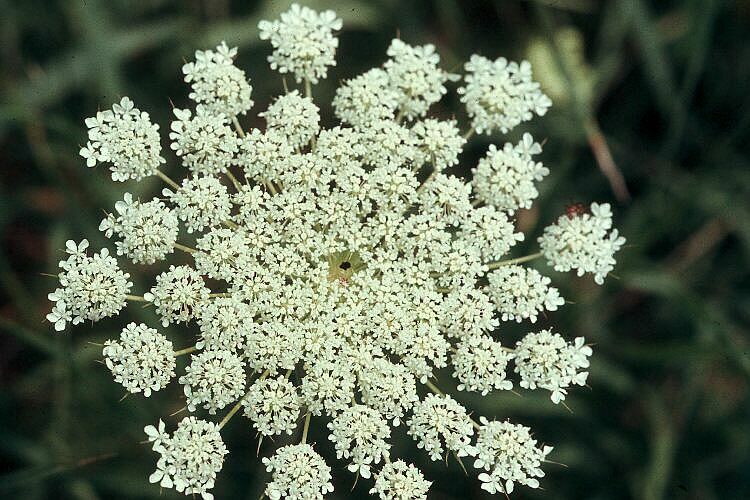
(439, 419)
(500, 94)
(293, 117)
(522, 293)
(303, 42)
(190, 458)
(479, 365)
(225, 323)
(125, 138)
(148, 230)
(366, 98)
(205, 141)
(548, 361)
(213, 380)
(142, 360)
(91, 288)
(359, 433)
(273, 405)
(298, 472)
(506, 178)
(200, 202)
(416, 77)
(217, 83)
(177, 294)
(510, 455)
(333, 271)
(400, 481)
(583, 242)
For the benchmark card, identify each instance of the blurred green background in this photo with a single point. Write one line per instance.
(651, 114)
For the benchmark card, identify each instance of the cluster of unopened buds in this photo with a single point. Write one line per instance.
(333, 271)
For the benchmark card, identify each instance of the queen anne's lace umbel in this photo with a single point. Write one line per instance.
(510, 455)
(298, 472)
(148, 230)
(217, 83)
(190, 458)
(583, 242)
(125, 138)
(330, 272)
(91, 287)
(142, 360)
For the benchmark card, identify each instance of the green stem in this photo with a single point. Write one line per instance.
(434, 388)
(306, 427)
(469, 134)
(135, 298)
(184, 248)
(238, 127)
(427, 180)
(519, 260)
(166, 179)
(308, 88)
(234, 180)
(231, 413)
(186, 350)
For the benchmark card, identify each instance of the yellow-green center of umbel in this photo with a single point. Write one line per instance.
(342, 265)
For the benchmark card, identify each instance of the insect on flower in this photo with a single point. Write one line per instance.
(576, 210)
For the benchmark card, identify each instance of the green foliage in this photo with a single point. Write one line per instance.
(657, 96)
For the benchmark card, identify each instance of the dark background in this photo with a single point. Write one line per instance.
(661, 86)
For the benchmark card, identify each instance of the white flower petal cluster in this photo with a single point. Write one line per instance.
(510, 455)
(365, 98)
(125, 138)
(413, 71)
(328, 386)
(546, 360)
(225, 324)
(303, 42)
(148, 230)
(205, 141)
(388, 388)
(142, 360)
(438, 420)
(440, 142)
(263, 155)
(359, 433)
(201, 202)
(468, 312)
(505, 178)
(293, 117)
(178, 294)
(479, 365)
(400, 481)
(583, 242)
(218, 251)
(388, 145)
(298, 472)
(213, 380)
(447, 197)
(500, 94)
(491, 231)
(217, 83)
(190, 458)
(273, 346)
(522, 293)
(91, 287)
(273, 405)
